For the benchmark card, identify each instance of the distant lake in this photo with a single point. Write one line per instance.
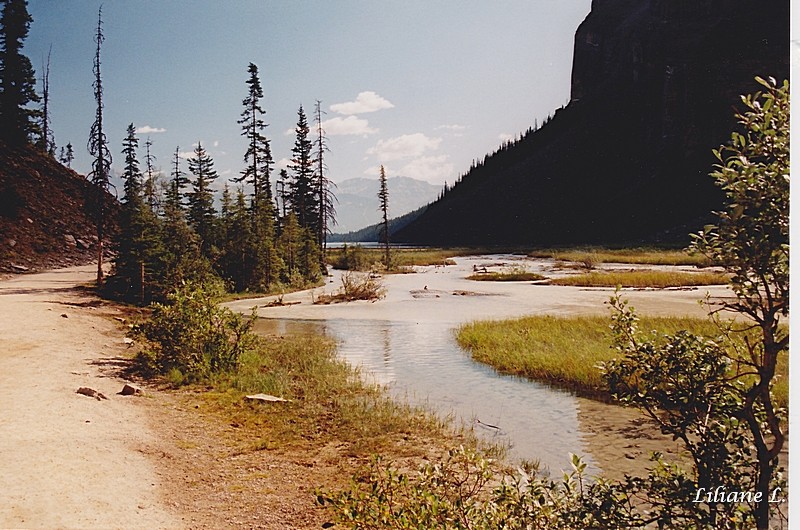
(370, 244)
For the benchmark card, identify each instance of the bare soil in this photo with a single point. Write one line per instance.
(150, 461)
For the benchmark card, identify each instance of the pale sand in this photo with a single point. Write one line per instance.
(69, 461)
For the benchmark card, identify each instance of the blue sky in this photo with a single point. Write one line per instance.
(422, 87)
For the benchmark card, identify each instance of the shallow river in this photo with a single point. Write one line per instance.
(423, 362)
(406, 341)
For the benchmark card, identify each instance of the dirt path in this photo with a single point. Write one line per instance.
(68, 460)
(162, 460)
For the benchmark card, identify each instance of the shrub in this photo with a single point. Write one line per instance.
(355, 287)
(352, 258)
(191, 337)
(466, 490)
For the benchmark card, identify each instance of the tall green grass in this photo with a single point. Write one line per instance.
(641, 279)
(644, 256)
(360, 258)
(566, 351)
(512, 276)
(328, 400)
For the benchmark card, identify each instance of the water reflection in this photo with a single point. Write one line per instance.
(422, 362)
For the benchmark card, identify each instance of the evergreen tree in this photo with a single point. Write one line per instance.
(151, 179)
(67, 155)
(178, 181)
(17, 82)
(383, 198)
(291, 245)
(98, 148)
(302, 199)
(258, 156)
(182, 259)
(201, 199)
(138, 240)
(283, 186)
(242, 243)
(268, 265)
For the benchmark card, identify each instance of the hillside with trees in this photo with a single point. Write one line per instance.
(161, 231)
(626, 161)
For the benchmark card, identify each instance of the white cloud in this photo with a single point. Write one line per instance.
(453, 127)
(434, 169)
(505, 137)
(350, 125)
(283, 163)
(365, 102)
(186, 154)
(405, 146)
(216, 143)
(146, 129)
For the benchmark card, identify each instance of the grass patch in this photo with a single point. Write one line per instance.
(565, 352)
(655, 279)
(521, 276)
(643, 256)
(197, 344)
(329, 402)
(359, 258)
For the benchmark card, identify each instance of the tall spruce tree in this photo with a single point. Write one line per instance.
(258, 157)
(182, 259)
(302, 198)
(98, 148)
(138, 239)
(151, 180)
(383, 198)
(17, 81)
(201, 199)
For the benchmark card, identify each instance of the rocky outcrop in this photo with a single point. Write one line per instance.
(654, 85)
(44, 220)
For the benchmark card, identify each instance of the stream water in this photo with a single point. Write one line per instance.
(423, 363)
(407, 342)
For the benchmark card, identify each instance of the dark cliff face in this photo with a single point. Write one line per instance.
(654, 86)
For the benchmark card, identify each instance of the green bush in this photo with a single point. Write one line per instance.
(351, 258)
(466, 490)
(191, 337)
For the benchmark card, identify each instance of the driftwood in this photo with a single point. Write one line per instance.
(266, 398)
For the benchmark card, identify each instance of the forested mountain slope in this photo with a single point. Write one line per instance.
(654, 86)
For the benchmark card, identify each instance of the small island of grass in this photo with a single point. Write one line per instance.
(643, 278)
(566, 351)
(513, 276)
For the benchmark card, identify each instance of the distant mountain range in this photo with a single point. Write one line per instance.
(357, 205)
(654, 85)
